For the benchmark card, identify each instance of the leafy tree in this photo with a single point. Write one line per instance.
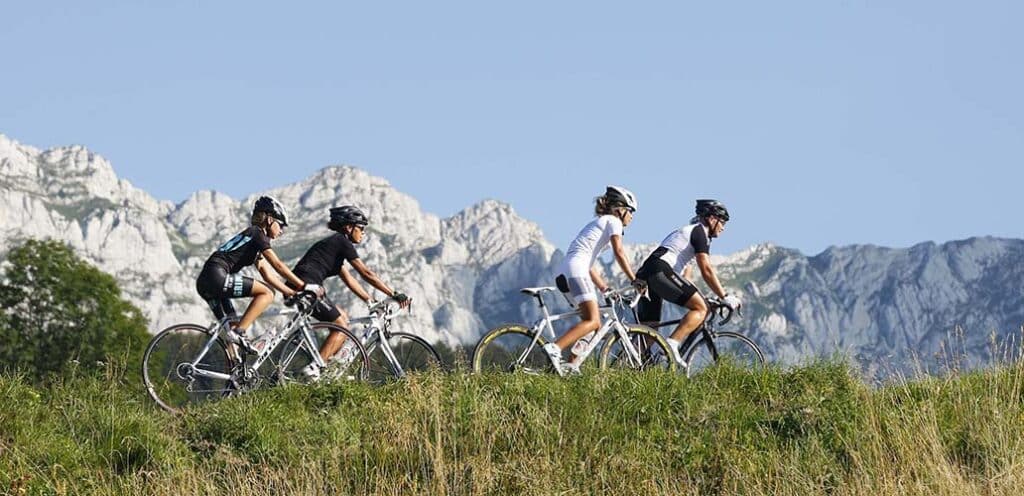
(57, 308)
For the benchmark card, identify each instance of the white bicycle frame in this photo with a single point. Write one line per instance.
(612, 322)
(277, 336)
(378, 326)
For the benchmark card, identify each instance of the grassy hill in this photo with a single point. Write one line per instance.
(815, 429)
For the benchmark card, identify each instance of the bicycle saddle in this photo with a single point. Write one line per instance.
(537, 291)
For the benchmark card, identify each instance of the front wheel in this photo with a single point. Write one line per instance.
(413, 354)
(173, 369)
(511, 348)
(728, 348)
(645, 350)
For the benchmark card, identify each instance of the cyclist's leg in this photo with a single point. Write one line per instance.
(665, 284)
(213, 288)
(584, 296)
(262, 297)
(649, 309)
(698, 310)
(327, 311)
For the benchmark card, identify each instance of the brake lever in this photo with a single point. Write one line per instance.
(727, 318)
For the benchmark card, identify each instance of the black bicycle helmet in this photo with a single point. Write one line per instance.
(716, 208)
(272, 207)
(621, 197)
(349, 214)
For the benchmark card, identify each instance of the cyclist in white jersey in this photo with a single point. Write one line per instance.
(661, 271)
(577, 276)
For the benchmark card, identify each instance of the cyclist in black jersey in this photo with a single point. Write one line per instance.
(661, 270)
(326, 258)
(220, 280)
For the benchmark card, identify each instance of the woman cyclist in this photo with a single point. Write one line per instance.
(578, 277)
(662, 267)
(220, 280)
(326, 258)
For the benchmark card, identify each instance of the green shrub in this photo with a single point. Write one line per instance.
(59, 311)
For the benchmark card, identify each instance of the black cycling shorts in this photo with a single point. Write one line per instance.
(663, 285)
(325, 310)
(217, 287)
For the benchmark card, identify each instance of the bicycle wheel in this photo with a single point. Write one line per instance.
(508, 349)
(727, 348)
(169, 375)
(350, 363)
(651, 348)
(412, 352)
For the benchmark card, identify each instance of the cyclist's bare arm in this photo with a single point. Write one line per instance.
(373, 280)
(281, 268)
(708, 272)
(595, 276)
(620, 256)
(271, 279)
(353, 284)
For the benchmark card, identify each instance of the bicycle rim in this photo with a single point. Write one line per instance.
(733, 349)
(412, 352)
(167, 373)
(501, 350)
(651, 348)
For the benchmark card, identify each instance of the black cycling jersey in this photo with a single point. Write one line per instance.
(325, 258)
(241, 251)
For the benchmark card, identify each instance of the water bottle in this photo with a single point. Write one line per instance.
(583, 344)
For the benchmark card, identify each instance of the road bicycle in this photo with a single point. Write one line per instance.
(391, 355)
(706, 345)
(188, 363)
(518, 348)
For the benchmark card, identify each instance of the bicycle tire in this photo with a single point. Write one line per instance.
(731, 347)
(413, 353)
(500, 348)
(165, 374)
(652, 347)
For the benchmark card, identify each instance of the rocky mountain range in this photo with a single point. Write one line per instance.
(890, 309)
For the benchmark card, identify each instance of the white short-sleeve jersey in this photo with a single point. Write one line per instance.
(589, 244)
(683, 244)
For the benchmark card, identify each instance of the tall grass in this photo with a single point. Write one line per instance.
(814, 429)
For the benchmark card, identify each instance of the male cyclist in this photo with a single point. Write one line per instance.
(326, 258)
(661, 270)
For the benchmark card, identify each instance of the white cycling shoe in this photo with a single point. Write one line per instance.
(311, 372)
(555, 355)
(673, 347)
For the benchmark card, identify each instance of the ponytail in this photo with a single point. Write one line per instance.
(259, 219)
(336, 226)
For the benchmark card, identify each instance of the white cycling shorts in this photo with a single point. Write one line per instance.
(577, 289)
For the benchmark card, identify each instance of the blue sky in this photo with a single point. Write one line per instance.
(818, 123)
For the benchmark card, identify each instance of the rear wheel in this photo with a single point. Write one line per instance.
(646, 350)
(350, 363)
(171, 378)
(728, 348)
(511, 348)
